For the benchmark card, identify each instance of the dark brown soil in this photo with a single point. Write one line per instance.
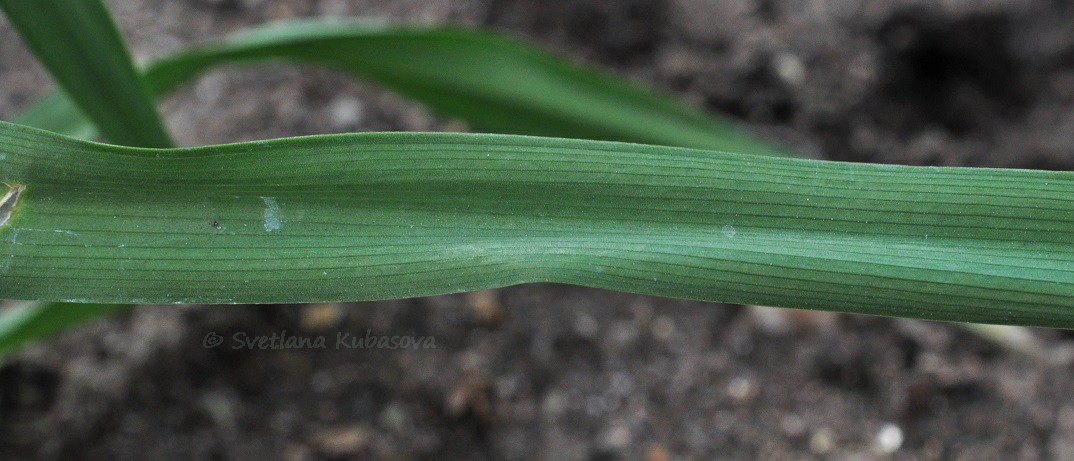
(559, 372)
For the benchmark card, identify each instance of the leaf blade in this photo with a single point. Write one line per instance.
(372, 216)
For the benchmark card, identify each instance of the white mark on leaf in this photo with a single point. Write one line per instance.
(272, 214)
(8, 201)
(729, 231)
(15, 235)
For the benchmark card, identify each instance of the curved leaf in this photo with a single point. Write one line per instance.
(493, 83)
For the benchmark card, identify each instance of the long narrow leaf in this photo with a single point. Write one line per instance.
(371, 216)
(78, 43)
(493, 83)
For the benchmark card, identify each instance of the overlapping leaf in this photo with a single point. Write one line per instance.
(77, 42)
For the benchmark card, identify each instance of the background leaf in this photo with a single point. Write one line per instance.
(78, 43)
(25, 323)
(493, 83)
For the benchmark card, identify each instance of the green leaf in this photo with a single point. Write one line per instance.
(25, 323)
(56, 113)
(390, 215)
(78, 43)
(493, 83)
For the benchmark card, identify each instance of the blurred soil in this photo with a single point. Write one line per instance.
(559, 372)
